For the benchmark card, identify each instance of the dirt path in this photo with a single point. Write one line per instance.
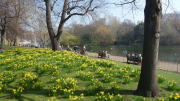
(167, 66)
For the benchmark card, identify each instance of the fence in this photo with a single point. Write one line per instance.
(163, 64)
(169, 65)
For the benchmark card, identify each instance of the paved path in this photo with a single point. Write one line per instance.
(167, 66)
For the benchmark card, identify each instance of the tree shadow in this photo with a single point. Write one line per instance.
(11, 96)
(166, 89)
(106, 91)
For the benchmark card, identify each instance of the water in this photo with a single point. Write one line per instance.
(166, 53)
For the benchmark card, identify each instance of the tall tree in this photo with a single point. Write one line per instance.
(103, 36)
(148, 83)
(70, 8)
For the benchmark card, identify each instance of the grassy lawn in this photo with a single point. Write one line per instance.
(31, 74)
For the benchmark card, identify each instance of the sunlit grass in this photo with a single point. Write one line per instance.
(41, 75)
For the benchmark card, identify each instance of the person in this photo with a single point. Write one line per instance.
(128, 56)
(1, 50)
(132, 54)
(62, 47)
(106, 54)
(84, 48)
(67, 46)
(140, 59)
(75, 48)
(136, 57)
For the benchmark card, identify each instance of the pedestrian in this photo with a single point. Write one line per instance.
(62, 47)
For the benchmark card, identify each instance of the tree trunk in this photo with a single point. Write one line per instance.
(16, 43)
(44, 43)
(148, 83)
(3, 34)
(8, 42)
(55, 39)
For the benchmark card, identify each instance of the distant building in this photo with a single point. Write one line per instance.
(24, 42)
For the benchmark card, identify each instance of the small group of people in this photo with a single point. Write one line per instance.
(134, 57)
(68, 48)
(103, 54)
(76, 49)
(61, 47)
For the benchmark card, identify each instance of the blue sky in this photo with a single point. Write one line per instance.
(137, 15)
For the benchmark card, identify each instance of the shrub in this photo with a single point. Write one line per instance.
(161, 79)
(172, 85)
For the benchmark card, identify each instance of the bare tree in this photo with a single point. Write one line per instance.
(70, 8)
(12, 13)
(175, 19)
(41, 32)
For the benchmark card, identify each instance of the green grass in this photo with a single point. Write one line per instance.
(46, 57)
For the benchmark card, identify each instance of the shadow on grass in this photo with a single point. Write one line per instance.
(9, 95)
(166, 89)
(106, 91)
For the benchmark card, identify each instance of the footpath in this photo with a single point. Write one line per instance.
(167, 66)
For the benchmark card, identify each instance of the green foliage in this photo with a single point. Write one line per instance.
(172, 85)
(161, 79)
(103, 36)
(68, 39)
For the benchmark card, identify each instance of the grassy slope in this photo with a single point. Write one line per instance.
(42, 95)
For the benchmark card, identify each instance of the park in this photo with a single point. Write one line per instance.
(35, 64)
(41, 75)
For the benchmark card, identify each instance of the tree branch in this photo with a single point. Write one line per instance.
(123, 3)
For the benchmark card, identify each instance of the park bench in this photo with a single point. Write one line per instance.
(83, 52)
(102, 54)
(69, 49)
(133, 59)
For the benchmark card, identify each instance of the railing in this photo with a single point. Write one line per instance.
(163, 64)
(169, 65)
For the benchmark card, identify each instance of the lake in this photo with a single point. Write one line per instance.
(166, 53)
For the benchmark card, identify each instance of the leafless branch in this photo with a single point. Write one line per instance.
(121, 4)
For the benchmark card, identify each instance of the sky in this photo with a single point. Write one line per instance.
(136, 15)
